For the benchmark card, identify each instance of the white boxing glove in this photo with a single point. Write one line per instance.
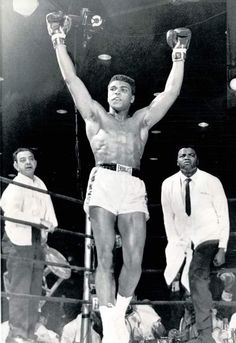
(58, 26)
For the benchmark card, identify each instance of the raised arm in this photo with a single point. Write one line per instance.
(178, 40)
(58, 26)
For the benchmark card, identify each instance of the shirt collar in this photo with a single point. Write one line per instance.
(25, 179)
(193, 177)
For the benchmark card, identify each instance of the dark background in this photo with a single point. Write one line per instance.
(133, 34)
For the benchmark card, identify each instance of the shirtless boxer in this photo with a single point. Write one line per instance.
(115, 192)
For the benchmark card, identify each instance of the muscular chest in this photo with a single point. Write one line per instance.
(109, 132)
(121, 131)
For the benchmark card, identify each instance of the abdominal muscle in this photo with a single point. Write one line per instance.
(121, 145)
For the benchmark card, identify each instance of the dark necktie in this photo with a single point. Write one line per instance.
(187, 197)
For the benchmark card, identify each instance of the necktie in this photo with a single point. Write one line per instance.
(187, 197)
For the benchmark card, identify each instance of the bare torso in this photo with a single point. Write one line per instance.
(117, 141)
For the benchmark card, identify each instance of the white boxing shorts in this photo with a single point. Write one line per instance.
(116, 191)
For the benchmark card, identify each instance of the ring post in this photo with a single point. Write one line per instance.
(86, 308)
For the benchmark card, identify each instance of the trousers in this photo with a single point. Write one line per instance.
(199, 278)
(24, 277)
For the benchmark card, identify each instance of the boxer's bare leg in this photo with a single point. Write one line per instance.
(132, 228)
(103, 222)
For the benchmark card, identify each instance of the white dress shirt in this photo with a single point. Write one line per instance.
(26, 204)
(209, 219)
(142, 321)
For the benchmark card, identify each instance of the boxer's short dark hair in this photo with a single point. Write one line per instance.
(125, 78)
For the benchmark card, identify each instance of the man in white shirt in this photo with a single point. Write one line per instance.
(25, 242)
(200, 221)
(144, 323)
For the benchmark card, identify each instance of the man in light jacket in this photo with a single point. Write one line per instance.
(196, 221)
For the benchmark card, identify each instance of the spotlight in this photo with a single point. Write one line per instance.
(178, 2)
(203, 124)
(104, 57)
(92, 24)
(96, 21)
(61, 111)
(87, 19)
(25, 7)
(232, 84)
(91, 20)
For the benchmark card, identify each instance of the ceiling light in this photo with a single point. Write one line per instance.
(156, 132)
(25, 7)
(11, 175)
(232, 84)
(1, 79)
(203, 124)
(153, 158)
(177, 2)
(62, 111)
(104, 57)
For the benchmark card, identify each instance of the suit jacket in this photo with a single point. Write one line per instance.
(209, 219)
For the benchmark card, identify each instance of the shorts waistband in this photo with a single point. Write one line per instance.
(121, 168)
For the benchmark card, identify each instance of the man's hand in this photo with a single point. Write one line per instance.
(228, 280)
(179, 40)
(58, 26)
(219, 258)
(158, 329)
(47, 225)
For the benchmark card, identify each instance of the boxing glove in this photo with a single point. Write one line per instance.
(58, 26)
(179, 40)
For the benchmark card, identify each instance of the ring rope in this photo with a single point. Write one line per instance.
(61, 196)
(41, 297)
(80, 269)
(231, 234)
(40, 227)
(144, 302)
(223, 269)
(57, 229)
(180, 302)
(56, 264)
(66, 197)
(230, 200)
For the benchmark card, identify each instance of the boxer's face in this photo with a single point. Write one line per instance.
(120, 95)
